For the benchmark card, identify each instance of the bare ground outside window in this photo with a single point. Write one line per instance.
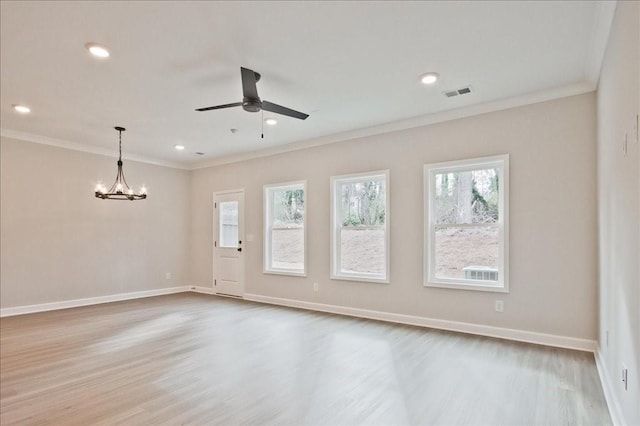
(363, 250)
(287, 244)
(458, 248)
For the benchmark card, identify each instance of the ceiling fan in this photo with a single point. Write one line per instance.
(251, 101)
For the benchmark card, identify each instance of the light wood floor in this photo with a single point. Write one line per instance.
(198, 359)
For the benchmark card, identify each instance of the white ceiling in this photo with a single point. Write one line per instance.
(350, 65)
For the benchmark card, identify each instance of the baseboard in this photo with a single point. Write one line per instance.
(30, 309)
(482, 330)
(204, 290)
(209, 290)
(463, 327)
(607, 386)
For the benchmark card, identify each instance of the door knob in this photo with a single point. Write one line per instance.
(239, 248)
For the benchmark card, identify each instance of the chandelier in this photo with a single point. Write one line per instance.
(120, 190)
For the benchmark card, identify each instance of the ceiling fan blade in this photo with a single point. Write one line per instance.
(249, 79)
(279, 109)
(235, 104)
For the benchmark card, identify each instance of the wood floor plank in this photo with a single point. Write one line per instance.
(202, 360)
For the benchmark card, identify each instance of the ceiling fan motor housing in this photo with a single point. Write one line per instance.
(251, 105)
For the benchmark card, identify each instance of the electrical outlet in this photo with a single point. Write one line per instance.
(625, 376)
(625, 144)
(315, 286)
(499, 305)
(168, 275)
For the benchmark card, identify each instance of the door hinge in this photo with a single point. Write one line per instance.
(215, 205)
(215, 282)
(215, 244)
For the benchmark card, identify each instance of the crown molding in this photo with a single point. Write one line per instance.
(29, 137)
(425, 120)
(599, 37)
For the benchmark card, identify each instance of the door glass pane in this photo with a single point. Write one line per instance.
(469, 253)
(228, 224)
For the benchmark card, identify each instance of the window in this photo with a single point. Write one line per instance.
(284, 241)
(360, 227)
(467, 224)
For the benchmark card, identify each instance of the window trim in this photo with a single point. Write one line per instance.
(335, 229)
(266, 214)
(502, 163)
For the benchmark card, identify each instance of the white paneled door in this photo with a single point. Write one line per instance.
(228, 255)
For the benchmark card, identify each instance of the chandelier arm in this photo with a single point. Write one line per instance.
(112, 189)
(126, 185)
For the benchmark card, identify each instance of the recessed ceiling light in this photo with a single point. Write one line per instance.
(22, 109)
(271, 121)
(97, 50)
(429, 78)
(179, 147)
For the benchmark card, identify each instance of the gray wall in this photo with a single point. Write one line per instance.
(553, 217)
(619, 207)
(61, 243)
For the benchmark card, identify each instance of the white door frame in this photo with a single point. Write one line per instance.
(241, 237)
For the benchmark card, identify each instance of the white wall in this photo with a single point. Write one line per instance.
(619, 209)
(61, 243)
(553, 217)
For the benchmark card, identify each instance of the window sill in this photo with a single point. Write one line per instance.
(284, 272)
(359, 278)
(457, 285)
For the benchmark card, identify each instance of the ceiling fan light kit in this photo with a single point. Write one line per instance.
(120, 190)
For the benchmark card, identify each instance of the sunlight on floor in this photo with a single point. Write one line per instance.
(141, 333)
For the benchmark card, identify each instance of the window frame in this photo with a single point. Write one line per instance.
(336, 274)
(267, 267)
(501, 162)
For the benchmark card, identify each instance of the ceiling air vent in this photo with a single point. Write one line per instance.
(462, 91)
(199, 153)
